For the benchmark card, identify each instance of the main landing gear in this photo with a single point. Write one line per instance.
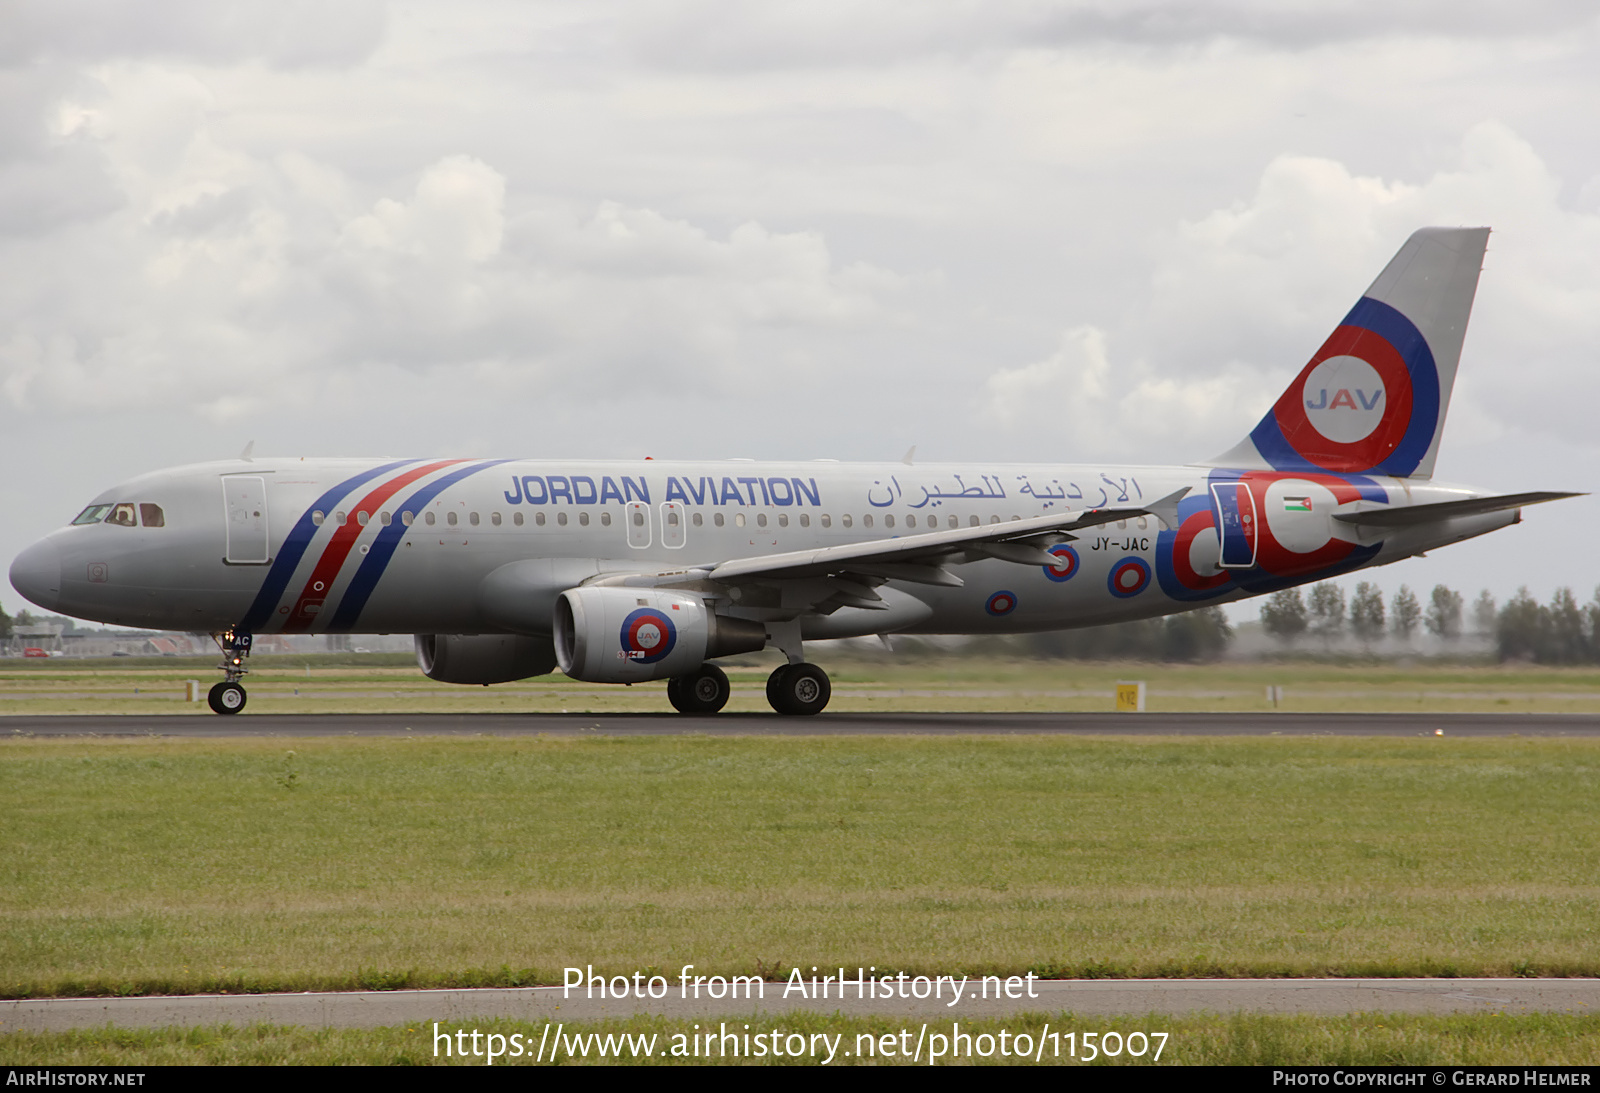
(228, 697)
(795, 689)
(799, 689)
(705, 690)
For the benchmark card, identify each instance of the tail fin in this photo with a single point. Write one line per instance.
(1373, 398)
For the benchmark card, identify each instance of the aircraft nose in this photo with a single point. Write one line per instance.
(36, 573)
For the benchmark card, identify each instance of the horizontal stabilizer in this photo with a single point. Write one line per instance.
(1408, 515)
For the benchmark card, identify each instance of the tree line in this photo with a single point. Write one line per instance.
(1560, 632)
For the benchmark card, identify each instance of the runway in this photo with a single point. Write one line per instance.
(1082, 998)
(826, 724)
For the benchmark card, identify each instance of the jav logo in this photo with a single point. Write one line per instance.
(1344, 399)
(1341, 397)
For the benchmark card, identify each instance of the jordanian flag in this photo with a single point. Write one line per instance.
(1297, 504)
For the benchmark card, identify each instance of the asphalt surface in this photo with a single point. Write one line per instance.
(1082, 998)
(826, 724)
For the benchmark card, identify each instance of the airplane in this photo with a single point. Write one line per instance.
(626, 572)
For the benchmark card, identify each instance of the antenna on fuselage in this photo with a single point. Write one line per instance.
(911, 453)
(249, 451)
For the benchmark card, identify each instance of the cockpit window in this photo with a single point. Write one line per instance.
(122, 515)
(91, 515)
(151, 516)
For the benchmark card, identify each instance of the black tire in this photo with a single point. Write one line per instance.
(775, 686)
(676, 694)
(803, 691)
(705, 690)
(226, 698)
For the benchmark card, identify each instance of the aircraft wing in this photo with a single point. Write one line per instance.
(1409, 515)
(845, 575)
(921, 557)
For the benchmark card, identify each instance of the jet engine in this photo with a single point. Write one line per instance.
(483, 658)
(628, 635)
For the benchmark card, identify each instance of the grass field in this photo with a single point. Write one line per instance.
(380, 683)
(156, 866)
(170, 866)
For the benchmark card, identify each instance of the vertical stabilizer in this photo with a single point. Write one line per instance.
(1373, 398)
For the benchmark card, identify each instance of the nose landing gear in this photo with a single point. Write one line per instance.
(228, 697)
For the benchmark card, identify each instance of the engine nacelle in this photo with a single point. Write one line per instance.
(628, 635)
(483, 658)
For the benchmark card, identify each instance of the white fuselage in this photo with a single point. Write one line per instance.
(485, 546)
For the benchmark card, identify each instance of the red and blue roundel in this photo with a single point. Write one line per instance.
(1368, 402)
(1129, 577)
(1001, 603)
(1064, 569)
(647, 636)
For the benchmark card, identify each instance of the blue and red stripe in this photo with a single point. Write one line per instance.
(372, 568)
(294, 547)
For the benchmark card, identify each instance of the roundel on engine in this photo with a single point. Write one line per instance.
(647, 636)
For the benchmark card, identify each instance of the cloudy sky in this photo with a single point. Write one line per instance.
(1090, 230)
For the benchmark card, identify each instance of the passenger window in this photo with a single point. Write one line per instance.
(494, 518)
(472, 518)
(783, 519)
(385, 519)
(122, 515)
(605, 519)
(738, 519)
(955, 521)
(427, 518)
(717, 519)
(888, 521)
(866, 521)
(516, 518)
(538, 518)
(761, 520)
(911, 521)
(672, 518)
(827, 521)
(450, 518)
(151, 516)
(406, 518)
(805, 519)
(561, 518)
(338, 518)
(994, 519)
(698, 519)
(91, 515)
(583, 519)
(638, 519)
(972, 521)
(845, 519)
(361, 518)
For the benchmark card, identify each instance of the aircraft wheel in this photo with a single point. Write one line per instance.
(705, 690)
(775, 686)
(802, 690)
(676, 695)
(226, 698)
